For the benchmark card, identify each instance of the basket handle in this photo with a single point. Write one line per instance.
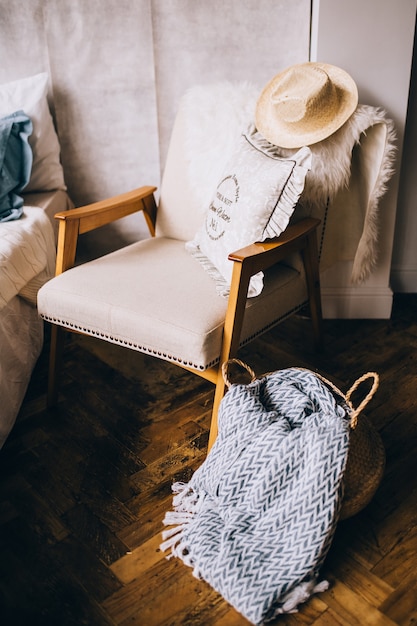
(225, 367)
(362, 405)
(355, 412)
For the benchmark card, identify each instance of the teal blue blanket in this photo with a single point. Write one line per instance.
(15, 163)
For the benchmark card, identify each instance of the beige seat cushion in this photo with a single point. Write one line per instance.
(152, 296)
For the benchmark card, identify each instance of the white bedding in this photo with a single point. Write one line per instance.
(21, 339)
(27, 259)
(27, 254)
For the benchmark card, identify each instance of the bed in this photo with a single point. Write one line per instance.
(27, 235)
(28, 246)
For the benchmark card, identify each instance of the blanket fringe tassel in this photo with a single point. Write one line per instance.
(185, 503)
(299, 595)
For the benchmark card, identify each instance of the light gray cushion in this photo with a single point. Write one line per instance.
(253, 201)
(152, 296)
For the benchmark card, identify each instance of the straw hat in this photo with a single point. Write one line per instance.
(304, 104)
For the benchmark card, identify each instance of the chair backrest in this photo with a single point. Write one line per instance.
(203, 139)
(341, 192)
(179, 214)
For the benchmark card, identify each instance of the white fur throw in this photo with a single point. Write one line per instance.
(357, 159)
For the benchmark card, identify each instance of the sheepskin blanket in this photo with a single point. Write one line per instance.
(257, 518)
(350, 169)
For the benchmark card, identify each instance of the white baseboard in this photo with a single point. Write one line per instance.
(356, 302)
(404, 280)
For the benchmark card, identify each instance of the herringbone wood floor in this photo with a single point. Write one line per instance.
(83, 488)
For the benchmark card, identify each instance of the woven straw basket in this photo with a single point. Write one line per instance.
(366, 457)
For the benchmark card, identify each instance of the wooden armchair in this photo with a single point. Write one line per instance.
(154, 297)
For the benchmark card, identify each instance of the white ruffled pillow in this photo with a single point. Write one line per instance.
(253, 201)
(30, 95)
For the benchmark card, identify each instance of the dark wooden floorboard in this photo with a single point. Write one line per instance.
(84, 487)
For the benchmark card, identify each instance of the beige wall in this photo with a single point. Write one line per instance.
(404, 259)
(119, 67)
(373, 41)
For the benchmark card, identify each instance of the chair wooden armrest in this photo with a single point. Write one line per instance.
(261, 255)
(257, 257)
(84, 219)
(248, 261)
(300, 237)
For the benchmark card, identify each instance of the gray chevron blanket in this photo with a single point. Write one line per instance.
(257, 518)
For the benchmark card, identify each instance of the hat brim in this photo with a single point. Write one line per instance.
(280, 134)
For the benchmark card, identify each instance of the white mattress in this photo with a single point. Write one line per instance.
(27, 259)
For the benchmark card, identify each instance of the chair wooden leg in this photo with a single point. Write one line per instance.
(55, 363)
(218, 396)
(231, 336)
(311, 265)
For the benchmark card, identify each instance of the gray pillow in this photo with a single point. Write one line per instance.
(253, 201)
